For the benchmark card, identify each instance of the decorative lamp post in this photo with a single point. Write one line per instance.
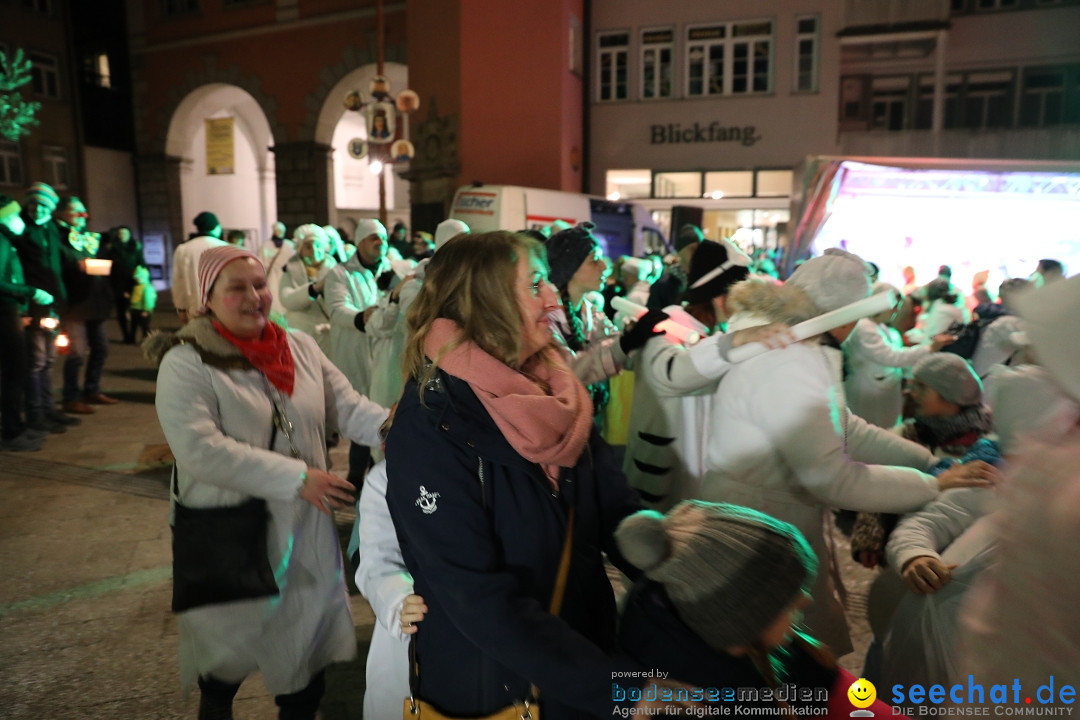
(387, 119)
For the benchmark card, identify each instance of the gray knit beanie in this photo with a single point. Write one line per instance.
(951, 377)
(728, 570)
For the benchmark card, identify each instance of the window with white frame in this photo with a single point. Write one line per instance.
(10, 164)
(41, 6)
(97, 70)
(807, 44)
(44, 74)
(657, 53)
(729, 59)
(988, 100)
(57, 173)
(1042, 97)
(613, 59)
(888, 103)
(924, 109)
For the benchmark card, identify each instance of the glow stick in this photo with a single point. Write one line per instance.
(683, 334)
(823, 323)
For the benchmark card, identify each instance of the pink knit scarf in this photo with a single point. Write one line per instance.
(549, 428)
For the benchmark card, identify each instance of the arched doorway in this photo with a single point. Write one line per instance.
(244, 199)
(355, 189)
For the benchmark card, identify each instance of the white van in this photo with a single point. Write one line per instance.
(623, 228)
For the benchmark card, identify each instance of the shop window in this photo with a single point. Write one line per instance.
(738, 183)
(10, 164)
(729, 59)
(57, 173)
(807, 43)
(624, 184)
(888, 103)
(44, 75)
(677, 184)
(774, 183)
(657, 51)
(1042, 99)
(612, 63)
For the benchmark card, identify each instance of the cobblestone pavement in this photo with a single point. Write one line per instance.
(85, 626)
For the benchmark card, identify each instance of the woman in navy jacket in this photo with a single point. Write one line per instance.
(491, 447)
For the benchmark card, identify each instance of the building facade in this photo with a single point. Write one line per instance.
(52, 152)
(240, 109)
(702, 111)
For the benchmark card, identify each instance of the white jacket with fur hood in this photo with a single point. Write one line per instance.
(782, 441)
(216, 412)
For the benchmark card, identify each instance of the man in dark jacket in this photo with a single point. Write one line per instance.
(669, 288)
(88, 305)
(126, 254)
(15, 297)
(39, 252)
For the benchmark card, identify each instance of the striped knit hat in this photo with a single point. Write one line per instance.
(44, 194)
(212, 262)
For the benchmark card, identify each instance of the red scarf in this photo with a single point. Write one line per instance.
(270, 354)
(547, 428)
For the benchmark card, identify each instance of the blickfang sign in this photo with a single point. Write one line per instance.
(698, 133)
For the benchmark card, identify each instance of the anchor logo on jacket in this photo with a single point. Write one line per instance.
(426, 501)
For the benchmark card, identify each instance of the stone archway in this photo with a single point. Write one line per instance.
(245, 199)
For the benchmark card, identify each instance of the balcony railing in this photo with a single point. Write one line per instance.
(888, 15)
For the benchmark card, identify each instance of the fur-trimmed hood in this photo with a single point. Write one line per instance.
(207, 341)
(756, 302)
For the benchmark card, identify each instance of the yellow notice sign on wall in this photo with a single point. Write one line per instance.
(219, 146)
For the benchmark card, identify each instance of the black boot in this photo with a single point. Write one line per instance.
(304, 704)
(216, 700)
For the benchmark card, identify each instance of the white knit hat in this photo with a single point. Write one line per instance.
(448, 229)
(834, 279)
(369, 226)
(1053, 325)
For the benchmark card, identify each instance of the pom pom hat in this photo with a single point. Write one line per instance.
(728, 570)
(212, 262)
(43, 194)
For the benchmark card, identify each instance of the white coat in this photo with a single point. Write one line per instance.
(302, 312)
(274, 262)
(876, 358)
(351, 288)
(997, 345)
(669, 417)
(216, 413)
(782, 441)
(383, 579)
(185, 272)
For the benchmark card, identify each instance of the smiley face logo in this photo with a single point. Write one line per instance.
(862, 694)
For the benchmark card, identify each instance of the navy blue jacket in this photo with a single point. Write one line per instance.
(482, 532)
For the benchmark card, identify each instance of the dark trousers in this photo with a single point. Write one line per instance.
(127, 327)
(12, 372)
(40, 356)
(89, 345)
(217, 698)
(139, 321)
(359, 459)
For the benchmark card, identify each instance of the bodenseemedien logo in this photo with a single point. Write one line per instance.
(862, 694)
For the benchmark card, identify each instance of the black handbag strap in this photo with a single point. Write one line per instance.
(555, 607)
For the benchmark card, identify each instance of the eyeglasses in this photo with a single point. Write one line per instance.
(535, 287)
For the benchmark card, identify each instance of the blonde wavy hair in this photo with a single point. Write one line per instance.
(471, 280)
